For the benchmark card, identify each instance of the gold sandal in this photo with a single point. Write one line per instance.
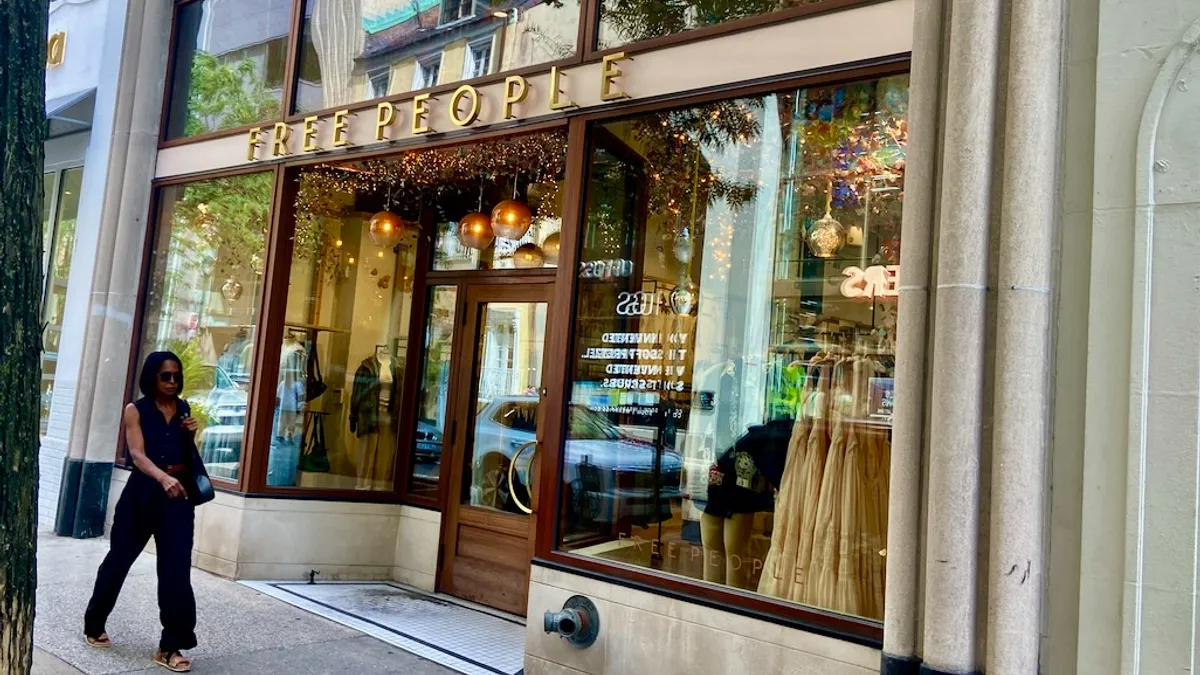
(100, 642)
(175, 662)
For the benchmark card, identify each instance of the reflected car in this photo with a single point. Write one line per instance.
(609, 476)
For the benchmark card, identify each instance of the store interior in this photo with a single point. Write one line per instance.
(484, 206)
(739, 342)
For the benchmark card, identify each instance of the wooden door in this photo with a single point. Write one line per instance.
(495, 434)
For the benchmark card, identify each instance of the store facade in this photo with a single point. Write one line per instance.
(517, 301)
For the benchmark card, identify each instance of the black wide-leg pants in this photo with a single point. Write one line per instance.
(143, 513)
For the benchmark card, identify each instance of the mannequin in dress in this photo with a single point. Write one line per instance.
(372, 408)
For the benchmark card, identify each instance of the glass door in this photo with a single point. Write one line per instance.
(495, 435)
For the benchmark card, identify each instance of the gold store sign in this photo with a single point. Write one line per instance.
(462, 110)
(56, 49)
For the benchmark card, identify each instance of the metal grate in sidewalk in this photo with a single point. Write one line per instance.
(464, 637)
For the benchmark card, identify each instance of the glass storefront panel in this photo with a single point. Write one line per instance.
(350, 299)
(341, 363)
(229, 64)
(353, 52)
(60, 247)
(202, 301)
(624, 22)
(503, 431)
(730, 413)
(433, 398)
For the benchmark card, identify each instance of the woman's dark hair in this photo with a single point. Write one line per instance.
(148, 382)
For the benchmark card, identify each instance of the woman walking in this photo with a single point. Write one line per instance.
(159, 502)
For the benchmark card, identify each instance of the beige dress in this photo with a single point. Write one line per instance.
(786, 569)
(822, 585)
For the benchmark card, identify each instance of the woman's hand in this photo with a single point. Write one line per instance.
(173, 487)
(190, 424)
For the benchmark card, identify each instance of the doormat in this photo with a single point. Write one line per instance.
(456, 634)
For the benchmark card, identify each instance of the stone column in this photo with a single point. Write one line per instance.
(901, 641)
(107, 333)
(957, 397)
(1022, 403)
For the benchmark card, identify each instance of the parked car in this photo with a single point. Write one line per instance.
(609, 476)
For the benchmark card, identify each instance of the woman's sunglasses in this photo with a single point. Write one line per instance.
(167, 378)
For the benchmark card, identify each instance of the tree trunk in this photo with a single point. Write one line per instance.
(22, 128)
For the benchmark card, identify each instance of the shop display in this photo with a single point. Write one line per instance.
(751, 350)
(373, 412)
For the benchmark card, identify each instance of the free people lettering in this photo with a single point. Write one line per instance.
(426, 113)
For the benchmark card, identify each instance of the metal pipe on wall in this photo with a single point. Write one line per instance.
(957, 396)
(1022, 399)
(901, 639)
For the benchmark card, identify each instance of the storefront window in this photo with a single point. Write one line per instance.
(202, 301)
(229, 64)
(352, 52)
(434, 395)
(60, 247)
(626, 21)
(732, 398)
(501, 207)
(341, 364)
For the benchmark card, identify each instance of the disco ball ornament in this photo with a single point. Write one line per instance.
(827, 237)
(683, 301)
(511, 219)
(528, 256)
(231, 289)
(475, 231)
(385, 229)
(550, 246)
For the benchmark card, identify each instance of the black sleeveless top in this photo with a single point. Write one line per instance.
(167, 443)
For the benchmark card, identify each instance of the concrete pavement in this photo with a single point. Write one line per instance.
(240, 630)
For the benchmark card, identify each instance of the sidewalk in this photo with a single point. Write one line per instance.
(240, 630)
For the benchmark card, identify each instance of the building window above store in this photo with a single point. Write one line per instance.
(229, 65)
(730, 413)
(625, 22)
(420, 40)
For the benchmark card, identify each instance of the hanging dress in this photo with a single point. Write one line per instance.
(821, 588)
(779, 568)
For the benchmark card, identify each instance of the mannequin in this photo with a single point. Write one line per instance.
(372, 410)
(740, 484)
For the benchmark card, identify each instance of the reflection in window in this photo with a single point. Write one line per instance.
(434, 395)
(59, 251)
(341, 362)
(427, 72)
(380, 81)
(229, 64)
(205, 282)
(626, 21)
(419, 40)
(479, 59)
(734, 344)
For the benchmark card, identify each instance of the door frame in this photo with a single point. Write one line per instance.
(473, 294)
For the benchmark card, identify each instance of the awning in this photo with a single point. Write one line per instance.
(71, 113)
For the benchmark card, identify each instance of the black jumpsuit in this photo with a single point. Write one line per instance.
(145, 511)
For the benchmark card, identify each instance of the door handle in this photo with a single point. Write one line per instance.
(512, 467)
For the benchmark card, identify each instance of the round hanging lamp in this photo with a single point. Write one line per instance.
(528, 256)
(550, 247)
(475, 231)
(827, 236)
(511, 219)
(231, 289)
(385, 229)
